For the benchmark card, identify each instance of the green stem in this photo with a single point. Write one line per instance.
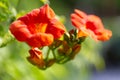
(63, 60)
(53, 54)
(47, 55)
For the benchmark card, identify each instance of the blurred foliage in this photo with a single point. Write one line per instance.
(13, 62)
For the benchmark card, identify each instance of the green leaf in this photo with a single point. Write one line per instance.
(1, 31)
(6, 39)
(2, 5)
(45, 1)
(5, 11)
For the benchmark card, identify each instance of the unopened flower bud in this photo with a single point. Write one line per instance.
(75, 50)
(36, 58)
(50, 62)
(66, 48)
(61, 51)
(57, 43)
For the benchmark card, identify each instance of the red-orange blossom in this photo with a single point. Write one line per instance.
(38, 28)
(90, 25)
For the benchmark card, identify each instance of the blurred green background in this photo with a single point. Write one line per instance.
(94, 56)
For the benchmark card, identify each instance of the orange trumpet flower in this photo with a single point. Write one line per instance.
(90, 25)
(38, 28)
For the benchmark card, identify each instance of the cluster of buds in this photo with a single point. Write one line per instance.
(40, 28)
(62, 51)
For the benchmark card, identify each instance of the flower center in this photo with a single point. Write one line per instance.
(40, 27)
(37, 27)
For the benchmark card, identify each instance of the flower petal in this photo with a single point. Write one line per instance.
(31, 17)
(19, 30)
(40, 40)
(55, 28)
(105, 35)
(77, 21)
(94, 22)
(80, 13)
(46, 13)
